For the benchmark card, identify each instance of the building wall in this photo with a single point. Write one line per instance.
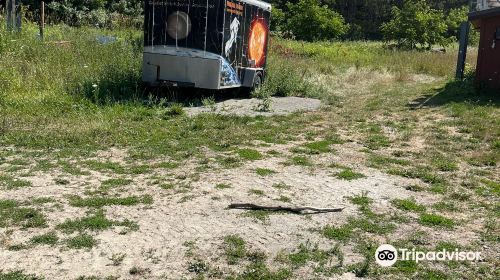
(488, 66)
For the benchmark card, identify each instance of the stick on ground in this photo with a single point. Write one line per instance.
(296, 210)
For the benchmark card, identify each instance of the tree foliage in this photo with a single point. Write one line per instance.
(416, 24)
(310, 21)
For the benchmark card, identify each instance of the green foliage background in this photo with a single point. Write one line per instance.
(431, 21)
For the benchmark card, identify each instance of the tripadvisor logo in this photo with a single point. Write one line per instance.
(386, 255)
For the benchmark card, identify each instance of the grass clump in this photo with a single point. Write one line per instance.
(281, 186)
(113, 183)
(256, 192)
(408, 205)
(301, 161)
(234, 248)
(12, 214)
(264, 172)
(50, 238)
(13, 184)
(435, 220)
(342, 233)
(101, 201)
(349, 175)
(250, 154)
(81, 241)
(318, 147)
(222, 186)
(95, 222)
(17, 275)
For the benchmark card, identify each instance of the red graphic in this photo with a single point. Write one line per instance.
(257, 42)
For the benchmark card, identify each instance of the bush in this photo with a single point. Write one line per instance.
(311, 22)
(416, 24)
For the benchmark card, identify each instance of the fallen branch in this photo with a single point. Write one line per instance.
(296, 210)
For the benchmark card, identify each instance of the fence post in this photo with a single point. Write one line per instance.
(462, 51)
(42, 19)
(10, 16)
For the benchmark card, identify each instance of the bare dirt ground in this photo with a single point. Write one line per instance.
(174, 221)
(200, 216)
(250, 107)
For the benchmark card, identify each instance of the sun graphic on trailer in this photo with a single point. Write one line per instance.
(257, 41)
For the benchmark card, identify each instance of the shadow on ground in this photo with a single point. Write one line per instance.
(124, 87)
(457, 92)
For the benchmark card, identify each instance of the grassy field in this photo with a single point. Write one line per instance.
(90, 162)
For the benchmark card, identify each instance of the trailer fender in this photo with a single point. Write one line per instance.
(249, 75)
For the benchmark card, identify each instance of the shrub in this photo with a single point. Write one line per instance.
(311, 22)
(416, 24)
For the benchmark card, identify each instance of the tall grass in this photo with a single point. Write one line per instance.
(329, 55)
(72, 92)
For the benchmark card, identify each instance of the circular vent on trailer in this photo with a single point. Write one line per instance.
(178, 25)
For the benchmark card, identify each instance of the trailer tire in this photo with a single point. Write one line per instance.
(257, 81)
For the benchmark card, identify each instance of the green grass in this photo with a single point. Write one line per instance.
(113, 183)
(10, 183)
(264, 172)
(342, 233)
(81, 241)
(301, 161)
(408, 205)
(281, 186)
(93, 222)
(222, 186)
(318, 147)
(12, 214)
(256, 192)
(234, 248)
(50, 238)
(18, 275)
(284, 199)
(101, 201)
(434, 220)
(250, 154)
(349, 175)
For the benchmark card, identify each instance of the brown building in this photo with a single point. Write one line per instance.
(488, 62)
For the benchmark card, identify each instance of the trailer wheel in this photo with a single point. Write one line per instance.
(257, 81)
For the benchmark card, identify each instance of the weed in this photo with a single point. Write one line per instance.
(17, 275)
(46, 239)
(349, 175)
(97, 201)
(408, 205)
(12, 184)
(222, 186)
(281, 186)
(81, 241)
(264, 171)
(174, 110)
(342, 233)
(284, 199)
(256, 192)
(318, 147)
(11, 214)
(250, 154)
(234, 247)
(301, 161)
(436, 220)
(117, 259)
(95, 222)
(198, 267)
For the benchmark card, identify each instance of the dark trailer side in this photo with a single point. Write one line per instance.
(209, 44)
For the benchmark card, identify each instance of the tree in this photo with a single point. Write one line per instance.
(416, 24)
(310, 21)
